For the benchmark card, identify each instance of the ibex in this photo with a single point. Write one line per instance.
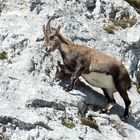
(98, 69)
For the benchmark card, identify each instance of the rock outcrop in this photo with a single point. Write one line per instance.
(33, 106)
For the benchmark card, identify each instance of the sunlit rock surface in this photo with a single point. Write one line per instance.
(33, 106)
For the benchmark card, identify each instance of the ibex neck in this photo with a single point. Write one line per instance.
(63, 48)
(63, 39)
(64, 45)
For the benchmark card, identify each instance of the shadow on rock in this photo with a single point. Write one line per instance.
(97, 100)
(133, 121)
(91, 96)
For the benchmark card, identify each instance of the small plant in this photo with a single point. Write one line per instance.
(3, 55)
(138, 90)
(110, 29)
(124, 23)
(91, 123)
(69, 124)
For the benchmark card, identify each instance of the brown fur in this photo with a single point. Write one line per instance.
(100, 62)
(80, 59)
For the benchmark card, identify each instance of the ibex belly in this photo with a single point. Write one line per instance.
(101, 80)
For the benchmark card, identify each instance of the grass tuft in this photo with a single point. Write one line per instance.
(90, 123)
(110, 29)
(138, 90)
(124, 23)
(3, 55)
(69, 125)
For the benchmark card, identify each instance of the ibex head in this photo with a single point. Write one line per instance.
(51, 38)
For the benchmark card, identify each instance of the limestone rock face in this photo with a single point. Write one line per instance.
(90, 4)
(33, 106)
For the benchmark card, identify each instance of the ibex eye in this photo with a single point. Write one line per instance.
(51, 37)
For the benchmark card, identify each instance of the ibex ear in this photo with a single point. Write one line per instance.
(57, 30)
(44, 29)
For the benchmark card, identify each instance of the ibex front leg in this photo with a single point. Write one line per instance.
(74, 79)
(60, 70)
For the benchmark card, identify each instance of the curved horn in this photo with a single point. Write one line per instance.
(57, 30)
(48, 24)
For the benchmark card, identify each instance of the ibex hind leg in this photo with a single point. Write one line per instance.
(111, 101)
(120, 86)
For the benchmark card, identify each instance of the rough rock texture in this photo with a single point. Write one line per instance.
(33, 106)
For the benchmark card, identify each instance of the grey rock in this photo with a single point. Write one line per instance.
(90, 4)
(36, 4)
(0, 7)
(32, 102)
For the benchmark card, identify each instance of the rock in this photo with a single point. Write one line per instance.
(138, 77)
(50, 104)
(33, 105)
(90, 4)
(0, 7)
(134, 41)
(36, 4)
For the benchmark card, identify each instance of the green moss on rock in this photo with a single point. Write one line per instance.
(124, 23)
(3, 55)
(110, 29)
(69, 125)
(138, 89)
(90, 123)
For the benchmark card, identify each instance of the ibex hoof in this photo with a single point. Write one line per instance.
(68, 88)
(103, 110)
(107, 108)
(124, 118)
